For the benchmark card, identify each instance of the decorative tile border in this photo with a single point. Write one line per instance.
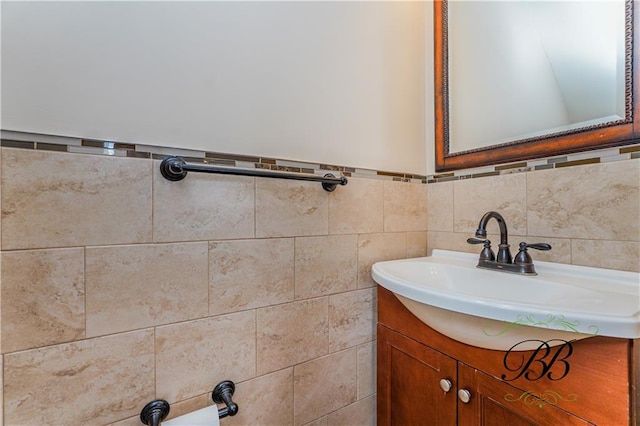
(590, 157)
(23, 140)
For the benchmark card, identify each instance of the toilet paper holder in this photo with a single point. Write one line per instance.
(156, 411)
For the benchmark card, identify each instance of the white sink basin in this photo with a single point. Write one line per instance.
(499, 310)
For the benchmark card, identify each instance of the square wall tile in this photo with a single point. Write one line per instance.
(202, 207)
(325, 265)
(505, 194)
(322, 421)
(416, 244)
(95, 381)
(132, 421)
(290, 208)
(53, 199)
(324, 385)
(560, 248)
(361, 413)
(357, 207)
(405, 206)
(440, 207)
(450, 241)
(192, 357)
(139, 286)
(622, 255)
(292, 333)
(352, 318)
(42, 298)
(595, 202)
(248, 274)
(376, 247)
(266, 400)
(367, 357)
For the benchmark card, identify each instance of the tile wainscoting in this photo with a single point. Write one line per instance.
(119, 287)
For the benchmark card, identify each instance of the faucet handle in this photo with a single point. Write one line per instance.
(477, 241)
(523, 258)
(486, 253)
(537, 246)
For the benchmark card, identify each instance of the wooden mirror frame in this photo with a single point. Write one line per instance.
(621, 132)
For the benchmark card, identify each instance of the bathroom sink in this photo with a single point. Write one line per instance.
(500, 310)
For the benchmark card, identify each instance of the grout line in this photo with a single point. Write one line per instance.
(209, 286)
(255, 208)
(84, 284)
(295, 278)
(255, 340)
(155, 365)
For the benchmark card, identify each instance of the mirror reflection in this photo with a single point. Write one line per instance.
(523, 69)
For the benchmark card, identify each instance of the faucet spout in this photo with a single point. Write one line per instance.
(522, 264)
(504, 255)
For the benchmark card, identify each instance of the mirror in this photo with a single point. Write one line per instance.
(516, 80)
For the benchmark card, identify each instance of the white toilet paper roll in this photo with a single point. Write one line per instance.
(207, 416)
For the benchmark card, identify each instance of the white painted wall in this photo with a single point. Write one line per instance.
(334, 82)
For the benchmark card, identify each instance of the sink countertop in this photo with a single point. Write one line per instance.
(572, 298)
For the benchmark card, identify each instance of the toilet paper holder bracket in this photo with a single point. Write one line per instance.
(222, 394)
(156, 411)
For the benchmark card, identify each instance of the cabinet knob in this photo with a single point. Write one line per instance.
(464, 396)
(445, 385)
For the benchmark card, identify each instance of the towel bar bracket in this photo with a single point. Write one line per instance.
(172, 169)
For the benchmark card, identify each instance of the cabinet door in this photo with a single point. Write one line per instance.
(494, 402)
(409, 390)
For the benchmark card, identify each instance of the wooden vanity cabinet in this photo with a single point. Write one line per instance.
(413, 359)
(410, 390)
(409, 375)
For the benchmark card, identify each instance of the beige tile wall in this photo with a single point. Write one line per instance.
(590, 214)
(119, 287)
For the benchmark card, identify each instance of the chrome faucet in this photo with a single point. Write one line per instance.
(521, 264)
